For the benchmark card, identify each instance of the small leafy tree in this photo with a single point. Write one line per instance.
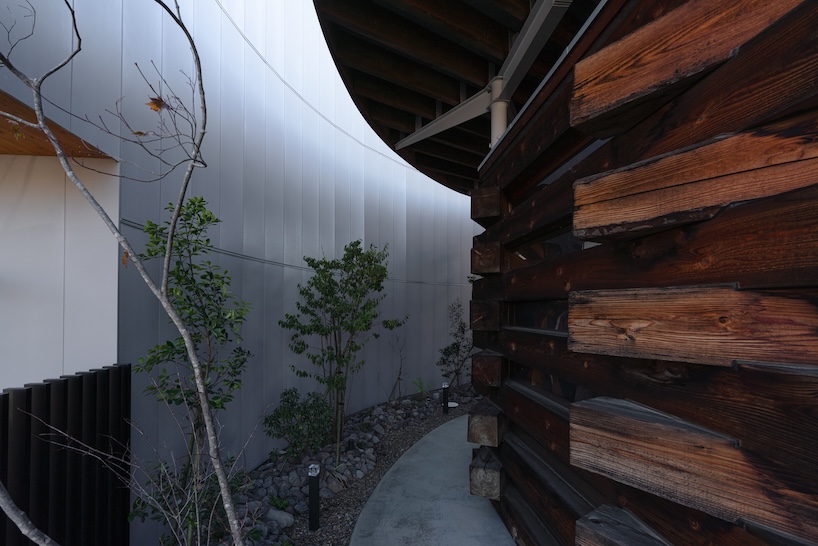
(339, 306)
(199, 291)
(453, 357)
(304, 425)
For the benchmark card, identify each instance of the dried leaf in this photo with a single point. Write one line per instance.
(139, 133)
(15, 130)
(156, 104)
(125, 256)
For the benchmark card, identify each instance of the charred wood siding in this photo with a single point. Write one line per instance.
(648, 310)
(54, 437)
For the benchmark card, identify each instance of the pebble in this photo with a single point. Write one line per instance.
(282, 480)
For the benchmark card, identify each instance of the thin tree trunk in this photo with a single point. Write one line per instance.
(20, 519)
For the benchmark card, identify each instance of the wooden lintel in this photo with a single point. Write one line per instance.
(687, 464)
(486, 474)
(613, 526)
(487, 424)
(693, 184)
(706, 325)
(617, 86)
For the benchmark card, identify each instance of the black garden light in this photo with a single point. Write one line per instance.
(313, 472)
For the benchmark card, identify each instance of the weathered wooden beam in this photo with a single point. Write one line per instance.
(488, 205)
(627, 80)
(723, 399)
(555, 491)
(695, 183)
(486, 315)
(725, 249)
(524, 524)
(543, 415)
(486, 258)
(487, 369)
(612, 526)
(734, 97)
(704, 325)
(486, 478)
(685, 463)
(487, 424)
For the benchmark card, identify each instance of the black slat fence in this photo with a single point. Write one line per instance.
(46, 433)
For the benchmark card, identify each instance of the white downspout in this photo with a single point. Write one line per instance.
(499, 111)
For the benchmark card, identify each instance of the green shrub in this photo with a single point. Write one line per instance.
(454, 356)
(304, 425)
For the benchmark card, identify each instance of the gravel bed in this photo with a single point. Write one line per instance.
(373, 440)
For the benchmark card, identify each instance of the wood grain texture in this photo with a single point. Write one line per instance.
(487, 369)
(783, 229)
(485, 315)
(612, 526)
(554, 490)
(488, 204)
(766, 406)
(705, 325)
(616, 86)
(486, 258)
(685, 463)
(543, 415)
(695, 183)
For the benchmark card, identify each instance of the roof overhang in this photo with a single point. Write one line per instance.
(16, 139)
(410, 64)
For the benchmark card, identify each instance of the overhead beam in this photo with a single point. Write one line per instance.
(392, 95)
(392, 32)
(358, 54)
(467, 27)
(509, 13)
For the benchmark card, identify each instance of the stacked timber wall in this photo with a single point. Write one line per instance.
(648, 307)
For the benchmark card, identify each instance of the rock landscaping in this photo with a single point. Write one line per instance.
(275, 499)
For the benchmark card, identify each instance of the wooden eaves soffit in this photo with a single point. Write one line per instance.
(18, 139)
(647, 306)
(408, 63)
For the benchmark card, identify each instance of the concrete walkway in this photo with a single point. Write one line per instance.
(424, 498)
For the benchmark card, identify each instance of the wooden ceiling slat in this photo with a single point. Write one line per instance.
(458, 22)
(510, 13)
(392, 95)
(360, 55)
(410, 60)
(393, 32)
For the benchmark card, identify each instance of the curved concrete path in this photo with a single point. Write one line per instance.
(424, 498)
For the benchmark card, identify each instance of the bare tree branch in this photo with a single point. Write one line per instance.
(160, 292)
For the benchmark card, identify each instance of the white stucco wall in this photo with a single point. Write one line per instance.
(58, 271)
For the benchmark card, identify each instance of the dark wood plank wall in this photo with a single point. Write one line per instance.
(647, 306)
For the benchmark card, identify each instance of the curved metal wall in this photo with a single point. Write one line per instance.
(293, 170)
